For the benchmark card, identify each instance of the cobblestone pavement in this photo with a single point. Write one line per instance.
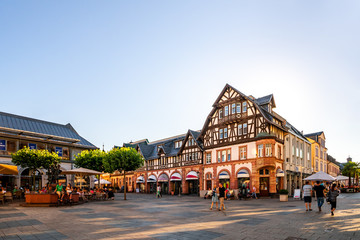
(186, 217)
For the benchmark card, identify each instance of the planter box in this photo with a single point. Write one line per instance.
(37, 198)
(284, 198)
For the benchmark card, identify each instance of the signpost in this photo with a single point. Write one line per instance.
(2, 145)
(297, 194)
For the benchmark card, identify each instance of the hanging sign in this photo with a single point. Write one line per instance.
(59, 151)
(32, 145)
(2, 145)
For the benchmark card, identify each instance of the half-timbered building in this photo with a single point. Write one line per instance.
(240, 145)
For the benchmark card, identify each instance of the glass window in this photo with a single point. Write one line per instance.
(229, 154)
(245, 129)
(233, 108)
(268, 150)
(11, 146)
(244, 107)
(243, 153)
(219, 156)
(262, 172)
(221, 134)
(317, 152)
(225, 133)
(223, 156)
(260, 150)
(238, 108)
(208, 158)
(220, 113)
(267, 171)
(226, 111)
(239, 129)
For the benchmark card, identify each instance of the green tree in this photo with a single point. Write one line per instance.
(123, 159)
(35, 159)
(351, 169)
(91, 159)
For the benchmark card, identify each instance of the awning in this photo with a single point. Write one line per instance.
(243, 173)
(192, 175)
(280, 173)
(151, 179)
(81, 171)
(224, 175)
(320, 176)
(163, 178)
(102, 181)
(175, 177)
(140, 179)
(8, 169)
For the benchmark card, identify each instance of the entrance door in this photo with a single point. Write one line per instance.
(264, 186)
(177, 186)
(164, 188)
(193, 187)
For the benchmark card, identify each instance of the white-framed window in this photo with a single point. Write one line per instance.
(238, 108)
(245, 129)
(220, 114)
(244, 107)
(321, 166)
(233, 108)
(240, 129)
(317, 165)
(297, 149)
(219, 156)
(221, 133)
(225, 132)
(268, 151)
(228, 155)
(260, 150)
(316, 151)
(226, 110)
(223, 156)
(243, 153)
(208, 158)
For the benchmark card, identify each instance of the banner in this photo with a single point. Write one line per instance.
(59, 151)
(32, 145)
(2, 145)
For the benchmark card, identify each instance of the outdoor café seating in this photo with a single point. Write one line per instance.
(9, 197)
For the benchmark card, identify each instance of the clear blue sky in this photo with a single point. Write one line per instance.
(127, 70)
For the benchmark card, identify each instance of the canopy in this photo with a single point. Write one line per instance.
(224, 175)
(243, 173)
(192, 175)
(8, 169)
(175, 177)
(341, 178)
(102, 181)
(140, 179)
(81, 171)
(151, 179)
(280, 173)
(320, 176)
(163, 178)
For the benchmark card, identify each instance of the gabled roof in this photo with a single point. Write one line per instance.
(266, 100)
(195, 135)
(267, 115)
(296, 132)
(133, 144)
(314, 136)
(42, 129)
(150, 150)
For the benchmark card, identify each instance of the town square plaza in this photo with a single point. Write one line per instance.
(143, 216)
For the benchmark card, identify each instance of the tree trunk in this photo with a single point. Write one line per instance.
(99, 185)
(124, 186)
(33, 180)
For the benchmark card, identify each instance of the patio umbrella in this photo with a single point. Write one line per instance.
(102, 181)
(320, 176)
(81, 172)
(341, 178)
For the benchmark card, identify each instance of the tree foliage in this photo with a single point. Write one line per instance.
(91, 159)
(352, 170)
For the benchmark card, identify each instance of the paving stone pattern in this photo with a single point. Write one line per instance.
(186, 217)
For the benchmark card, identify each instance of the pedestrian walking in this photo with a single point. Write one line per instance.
(221, 196)
(320, 194)
(253, 194)
(158, 191)
(332, 195)
(307, 193)
(214, 198)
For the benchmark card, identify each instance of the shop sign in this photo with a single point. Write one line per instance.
(32, 145)
(59, 151)
(2, 145)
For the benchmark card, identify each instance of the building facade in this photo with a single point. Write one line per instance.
(297, 164)
(17, 132)
(318, 151)
(242, 143)
(333, 166)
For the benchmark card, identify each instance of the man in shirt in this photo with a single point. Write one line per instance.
(221, 196)
(307, 193)
(320, 193)
(59, 189)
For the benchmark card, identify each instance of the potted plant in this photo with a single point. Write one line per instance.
(283, 195)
